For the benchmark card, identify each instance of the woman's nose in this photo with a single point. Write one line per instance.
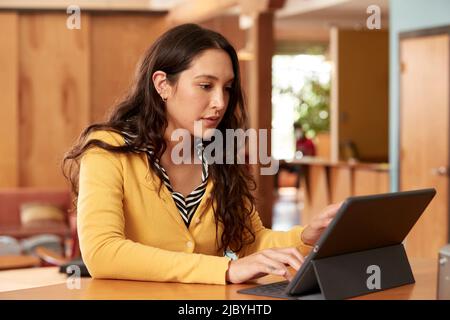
(219, 100)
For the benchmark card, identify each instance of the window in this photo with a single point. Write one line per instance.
(290, 73)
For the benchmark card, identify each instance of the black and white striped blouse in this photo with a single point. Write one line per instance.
(186, 206)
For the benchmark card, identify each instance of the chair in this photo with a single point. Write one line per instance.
(9, 246)
(38, 218)
(11, 256)
(49, 241)
(53, 258)
(15, 223)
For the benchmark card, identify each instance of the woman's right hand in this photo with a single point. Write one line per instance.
(270, 261)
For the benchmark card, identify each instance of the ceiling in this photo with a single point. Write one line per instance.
(320, 8)
(312, 19)
(297, 20)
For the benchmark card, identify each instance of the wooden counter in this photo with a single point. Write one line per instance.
(323, 181)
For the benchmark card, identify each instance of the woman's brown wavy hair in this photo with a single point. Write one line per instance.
(143, 111)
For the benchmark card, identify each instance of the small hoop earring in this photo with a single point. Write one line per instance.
(164, 99)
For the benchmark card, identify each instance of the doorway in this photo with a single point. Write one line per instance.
(424, 133)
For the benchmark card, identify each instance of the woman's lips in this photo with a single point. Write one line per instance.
(211, 121)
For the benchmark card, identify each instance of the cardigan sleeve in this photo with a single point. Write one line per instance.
(267, 238)
(105, 250)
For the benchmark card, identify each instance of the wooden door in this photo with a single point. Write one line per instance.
(424, 135)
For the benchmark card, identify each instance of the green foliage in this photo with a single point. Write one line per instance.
(312, 106)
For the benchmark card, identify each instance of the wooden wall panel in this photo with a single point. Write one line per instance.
(9, 159)
(117, 43)
(54, 94)
(360, 93)
(228, 26)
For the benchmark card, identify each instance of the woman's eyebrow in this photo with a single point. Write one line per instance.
(210, 76)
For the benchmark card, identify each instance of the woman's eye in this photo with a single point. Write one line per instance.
(205, 86)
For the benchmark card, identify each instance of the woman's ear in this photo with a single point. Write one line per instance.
(161, 84)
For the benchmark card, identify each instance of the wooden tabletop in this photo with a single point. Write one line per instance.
(30, 278)
(314, 161)
(53, 286)
(18, 261)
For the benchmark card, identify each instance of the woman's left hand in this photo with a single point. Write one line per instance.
(319, 223)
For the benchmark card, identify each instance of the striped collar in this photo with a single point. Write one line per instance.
(186, 206)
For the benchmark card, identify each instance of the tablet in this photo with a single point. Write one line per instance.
(362, 223)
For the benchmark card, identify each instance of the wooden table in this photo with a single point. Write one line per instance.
(47, 283)
(18, 280)
(18, 261)
(323, 181)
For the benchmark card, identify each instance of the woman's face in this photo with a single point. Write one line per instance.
(201, 93)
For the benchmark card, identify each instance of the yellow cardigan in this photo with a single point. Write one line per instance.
(128, 231)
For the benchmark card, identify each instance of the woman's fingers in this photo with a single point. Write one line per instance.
(292, 251)
(332, 210)
(326, 222)
(324, 219)
(288, 256)
(284, 258)
(271, 261)
(271, 266)
(274, 261)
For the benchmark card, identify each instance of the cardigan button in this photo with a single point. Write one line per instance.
(197, 221)
(189, 244)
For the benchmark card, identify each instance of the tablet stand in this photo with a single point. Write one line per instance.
(354, 274)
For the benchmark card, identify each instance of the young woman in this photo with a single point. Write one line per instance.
(141, 216)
